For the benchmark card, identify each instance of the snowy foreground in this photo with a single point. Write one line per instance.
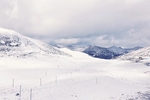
(73, 78)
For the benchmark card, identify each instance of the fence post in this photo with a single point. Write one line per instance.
(71, 74)
(56, 79)
(40, 82)
(30, 94)
(96, 80)
(13, 82)
(46, 73)
(20, 90)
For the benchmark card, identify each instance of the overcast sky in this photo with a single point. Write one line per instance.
(105, 23)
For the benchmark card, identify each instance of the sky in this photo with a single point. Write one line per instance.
(124, 23)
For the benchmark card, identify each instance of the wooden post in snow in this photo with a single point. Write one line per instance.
(13, 82)
(56, 79)
(96, 80)
(46, 73)
(20, 91)
(40, 82)
(30, 94)
(71, 74)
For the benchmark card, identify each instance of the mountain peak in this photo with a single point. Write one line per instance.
(4, 31)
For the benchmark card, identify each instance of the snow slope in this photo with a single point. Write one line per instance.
(15, 44)
(141, 55)
(79, 77)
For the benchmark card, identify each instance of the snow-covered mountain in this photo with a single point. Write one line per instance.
(99, 52)
(108, 53)
(15, 44)
(117, 50)
(141, 55)
(121, 51)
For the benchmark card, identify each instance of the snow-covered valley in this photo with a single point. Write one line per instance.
(79, 77)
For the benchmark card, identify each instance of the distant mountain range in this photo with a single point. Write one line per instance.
(101, 52)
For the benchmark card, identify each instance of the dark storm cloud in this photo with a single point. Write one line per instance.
(99, 22)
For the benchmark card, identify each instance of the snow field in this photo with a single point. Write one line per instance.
(71, 78)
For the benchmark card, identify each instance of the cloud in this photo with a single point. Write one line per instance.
(64, 20)
(67, 41)
(95, 40)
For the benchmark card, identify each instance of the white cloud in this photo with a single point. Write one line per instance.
(68, 41)
(68, 19)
